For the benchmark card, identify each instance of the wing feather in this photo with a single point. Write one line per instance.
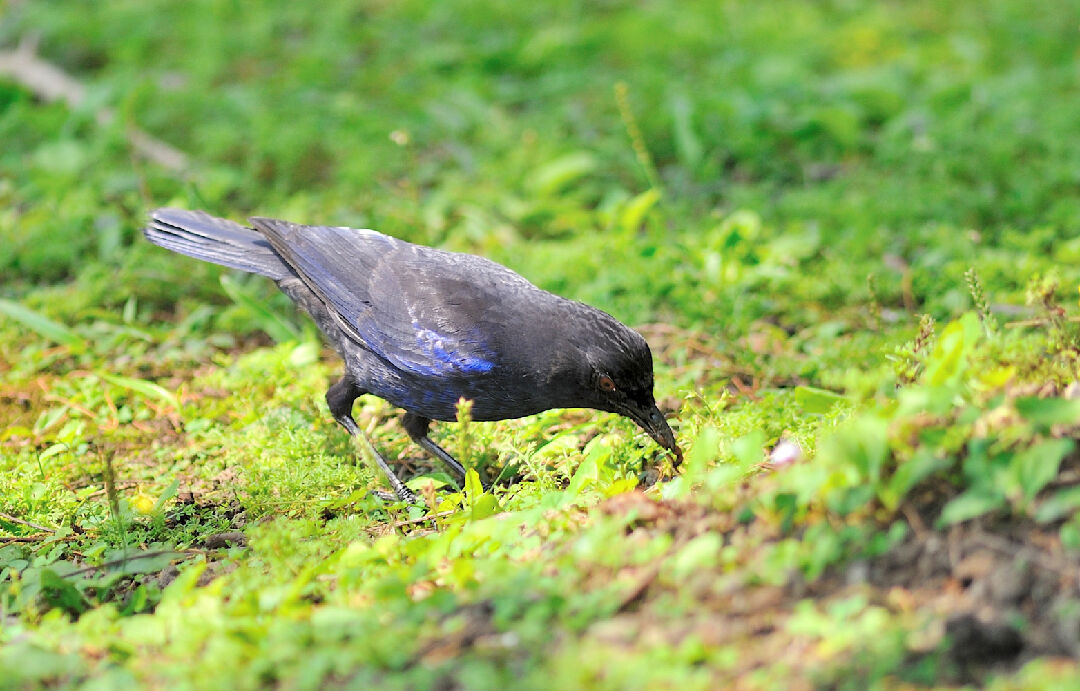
(420, 309)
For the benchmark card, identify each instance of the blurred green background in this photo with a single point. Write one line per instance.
(854, 138)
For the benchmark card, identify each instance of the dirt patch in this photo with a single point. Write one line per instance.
(996, 593)
(19, 408)
(684, 350)
(190, 505)
(1007, 591)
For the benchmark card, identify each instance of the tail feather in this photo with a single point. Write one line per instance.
(215, 240)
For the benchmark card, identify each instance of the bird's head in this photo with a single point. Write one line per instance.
(616, 374)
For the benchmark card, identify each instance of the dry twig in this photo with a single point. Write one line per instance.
(50, 83)
(13, 519)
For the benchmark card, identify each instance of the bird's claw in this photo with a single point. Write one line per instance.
(405, 495)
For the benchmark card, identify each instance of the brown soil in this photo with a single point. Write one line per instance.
(996, 594)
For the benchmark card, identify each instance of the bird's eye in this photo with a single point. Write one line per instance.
(606, 384)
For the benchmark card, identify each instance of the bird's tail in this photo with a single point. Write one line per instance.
(216, 240)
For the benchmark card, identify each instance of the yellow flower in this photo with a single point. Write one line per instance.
(142, 502)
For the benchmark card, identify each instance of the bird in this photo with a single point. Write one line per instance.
(424, 328)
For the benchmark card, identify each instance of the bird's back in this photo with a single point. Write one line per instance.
(418, 326)
(423, 327)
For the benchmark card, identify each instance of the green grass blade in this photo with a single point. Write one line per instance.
(141, 386)
(274, 325)
(42, 325)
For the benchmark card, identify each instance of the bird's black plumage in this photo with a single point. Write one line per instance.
(423, 327)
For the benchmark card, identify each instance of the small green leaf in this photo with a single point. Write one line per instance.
(635, 209)
(147, 564)
(970, 504)
(143, 387)
(749, 449)
(1034, 468)
(588, 473)
(1058, 505)
(687, 143)
(131, 308)
(862, 445)
(61, 593)
(627, 484)
(700, 553)
(43, 326)
(817, 401)
(559, 446)
(435, 480)
(481, 504)
(53, 450)
(15, 431)
(557, 174)
(908, 474)
(486, 505)
(847, 500)
(138, 601)
(1049, 411)
(785, 504)
(948, 360)
(166, 494)
(48, 418)
(473, 487)
(705, 450)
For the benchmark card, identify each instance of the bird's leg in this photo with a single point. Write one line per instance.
(340, 398)
(417, 427)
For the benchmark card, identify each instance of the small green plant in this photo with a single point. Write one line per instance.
(909, 359)
(637, 140)
(980, 301)
(465, 432)
(873, 306)
(1041, 295)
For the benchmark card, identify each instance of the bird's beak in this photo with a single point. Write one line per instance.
(652, 421)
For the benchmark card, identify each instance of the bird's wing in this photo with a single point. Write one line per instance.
(425, 311)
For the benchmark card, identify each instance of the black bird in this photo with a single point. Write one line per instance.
(423, 328)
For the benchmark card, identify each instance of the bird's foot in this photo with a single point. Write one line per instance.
(400, 490)
(407, 496)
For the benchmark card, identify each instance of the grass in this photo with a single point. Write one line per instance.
(848, 230)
